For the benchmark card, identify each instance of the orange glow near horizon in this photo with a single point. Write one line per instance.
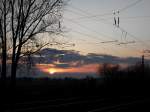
(52, 71)
(48, 68)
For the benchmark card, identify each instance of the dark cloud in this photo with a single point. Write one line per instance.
(67, 56)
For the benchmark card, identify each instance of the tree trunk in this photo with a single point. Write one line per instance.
(3, 71)
(4, 52)
(13, 73)
(15, 59)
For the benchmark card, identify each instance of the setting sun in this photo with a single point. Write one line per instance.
(52, 71)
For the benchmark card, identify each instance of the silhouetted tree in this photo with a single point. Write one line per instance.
(20, 22)
(109, 72)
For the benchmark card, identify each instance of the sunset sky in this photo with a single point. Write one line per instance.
(89, 24)
(78, 65)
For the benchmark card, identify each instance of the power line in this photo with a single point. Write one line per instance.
(102, 41)
(104, 14)
(89, 29)
(125, 43)
(87, 13)
(110, 41)
(72, 11)
(95, 16)
(127, 18)
(98, 43)
(135, 17)
(130, 5)
(84, 34)
(108, 18)
(90, 18)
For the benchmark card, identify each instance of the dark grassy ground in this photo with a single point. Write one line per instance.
(42, 95)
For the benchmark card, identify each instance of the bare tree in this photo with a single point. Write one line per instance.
(3, 26)
(21, 21)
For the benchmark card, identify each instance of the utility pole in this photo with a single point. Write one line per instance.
(143, 65)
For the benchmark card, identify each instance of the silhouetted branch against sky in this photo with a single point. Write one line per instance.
(22, 20)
